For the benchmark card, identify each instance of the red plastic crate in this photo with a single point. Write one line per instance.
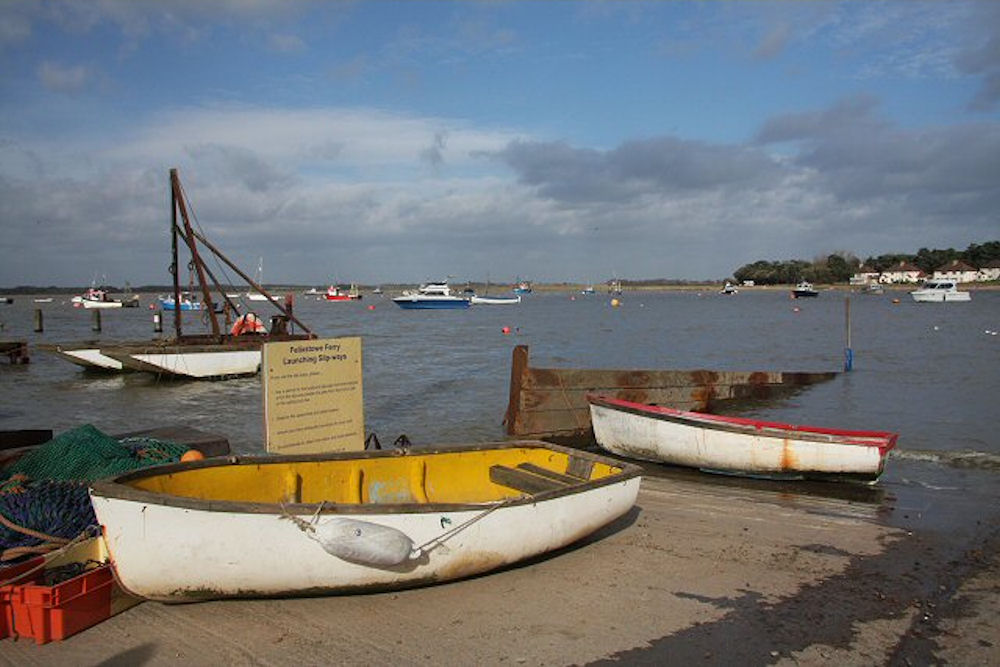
(7, 591)
(50, 613)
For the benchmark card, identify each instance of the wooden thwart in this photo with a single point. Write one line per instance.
(527, 481)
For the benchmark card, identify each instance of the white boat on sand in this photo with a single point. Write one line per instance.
(736, 445)
(352, 522)
(939, 291)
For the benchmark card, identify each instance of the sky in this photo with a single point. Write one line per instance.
(399, 142)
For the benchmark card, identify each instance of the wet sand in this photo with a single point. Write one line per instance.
(703, 570)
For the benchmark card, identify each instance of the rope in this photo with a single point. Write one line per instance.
(32, 533)
(448, 534)
(91, 531)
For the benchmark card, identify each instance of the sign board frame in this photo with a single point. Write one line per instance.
(313, 396)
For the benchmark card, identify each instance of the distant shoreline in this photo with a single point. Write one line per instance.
(547, 288)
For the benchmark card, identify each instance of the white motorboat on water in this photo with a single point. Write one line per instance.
(729, 289)
(432, 296)
(804, 290)
(939, 291)
(98, 297)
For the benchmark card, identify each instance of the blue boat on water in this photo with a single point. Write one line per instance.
(432, 296)
(187, 303)
(523, 287)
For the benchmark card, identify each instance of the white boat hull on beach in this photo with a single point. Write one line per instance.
(181, 548)
(736, 446)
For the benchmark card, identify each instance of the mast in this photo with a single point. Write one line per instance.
(178, 195)
(173, 256)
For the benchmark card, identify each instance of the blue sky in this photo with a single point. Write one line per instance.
(404, 141)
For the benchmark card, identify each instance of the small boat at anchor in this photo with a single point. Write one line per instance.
(98, 297)
(432, 296)
(939, 291)
(804, 290)
(338, 293)
(352, 522)
(495, 300)
(735, 445)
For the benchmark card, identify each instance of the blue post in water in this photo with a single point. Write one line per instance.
(848, 352)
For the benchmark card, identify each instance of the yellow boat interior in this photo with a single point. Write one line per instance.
(442, 476)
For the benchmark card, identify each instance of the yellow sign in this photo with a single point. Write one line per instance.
(313, 400)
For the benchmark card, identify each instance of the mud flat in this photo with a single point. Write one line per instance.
(703, 571)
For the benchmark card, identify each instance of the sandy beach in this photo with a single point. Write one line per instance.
(702, 570)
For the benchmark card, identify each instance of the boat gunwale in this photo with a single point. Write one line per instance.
(117, 487)
(883, 440)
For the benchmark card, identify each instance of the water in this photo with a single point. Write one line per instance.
(926, 371)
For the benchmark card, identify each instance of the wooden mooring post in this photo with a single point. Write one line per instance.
(96, 324)
(39, 321)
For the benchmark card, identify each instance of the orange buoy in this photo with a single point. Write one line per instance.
(505, 330)
(192, 455)
(371, 307)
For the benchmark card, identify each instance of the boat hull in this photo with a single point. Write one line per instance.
(87, 355)
(240, 549)
(737, 446)
(197, 359)
(495, 300)
(407, 303)
(940, 297)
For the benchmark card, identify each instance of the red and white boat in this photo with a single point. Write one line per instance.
(736, 445)
(336, 293)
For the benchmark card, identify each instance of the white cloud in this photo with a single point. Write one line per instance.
(64, 78)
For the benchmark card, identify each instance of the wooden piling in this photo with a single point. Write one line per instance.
(96, 321)
(39, 323)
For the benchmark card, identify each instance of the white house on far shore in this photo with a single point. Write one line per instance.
(958, 271)
(904, 272)
(989, 271)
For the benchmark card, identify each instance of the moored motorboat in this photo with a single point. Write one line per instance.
(98, 297)
(804, 290)
(187, 302)
(433, 296)
(351, 522)
(338, 293)
(737, 445)
(939, 291)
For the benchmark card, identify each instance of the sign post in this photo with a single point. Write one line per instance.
(313, 399)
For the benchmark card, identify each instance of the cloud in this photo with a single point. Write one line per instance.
(635, 169)
(286, 43)
(64, 79)
(346, 191)
(774, 42)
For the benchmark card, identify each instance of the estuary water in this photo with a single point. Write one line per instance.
(930, 372)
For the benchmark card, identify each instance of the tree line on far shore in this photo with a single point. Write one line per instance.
(840, 266)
